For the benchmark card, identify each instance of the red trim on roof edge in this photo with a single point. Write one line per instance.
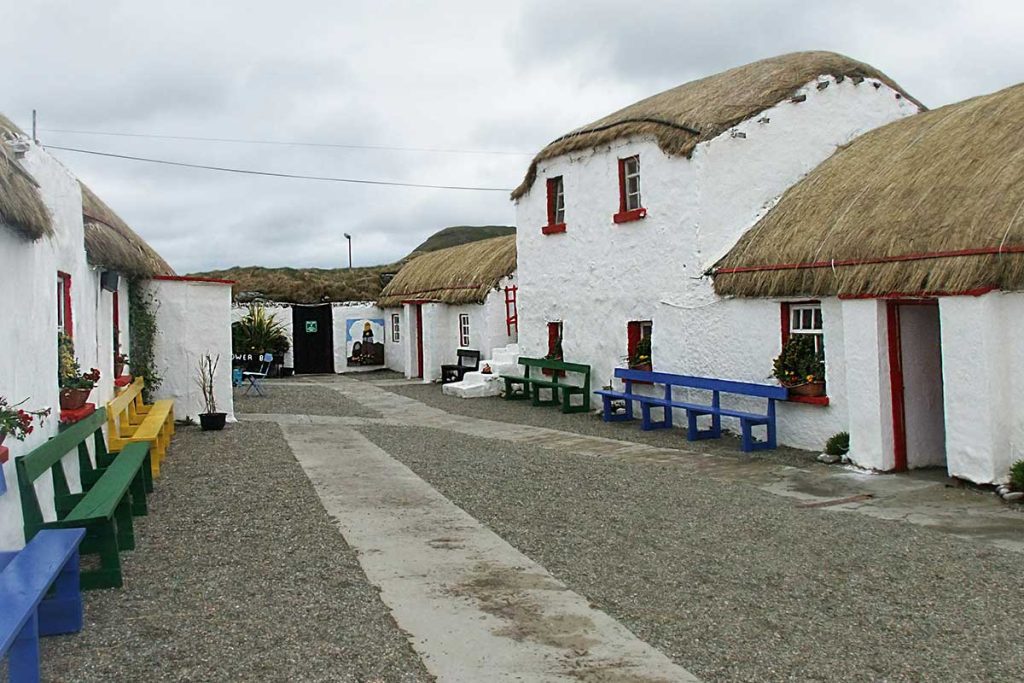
(982, 251)
(978, 291)
(193, 278)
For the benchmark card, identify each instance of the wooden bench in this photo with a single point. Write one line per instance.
(469, 361)
(28, 608)
(694, 410)
(112, 492)
(531, 386)
(131, 420)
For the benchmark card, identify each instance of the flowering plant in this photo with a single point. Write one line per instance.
(16, 421)
(69, 374)
(799, 363)
(642, 353)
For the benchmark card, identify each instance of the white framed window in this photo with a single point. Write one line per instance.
(557, 201)
(631, 183)
(60, 303)
(395, 328)
(805, 318)
(463, 329)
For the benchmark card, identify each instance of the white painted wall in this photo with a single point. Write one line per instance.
(193, 318)
(28, 328)
(598, 276)
(394, 352)
(349, 311)
(867, 383)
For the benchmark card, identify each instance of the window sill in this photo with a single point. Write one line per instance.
(553, 228)
(630, 216)
(809, 400)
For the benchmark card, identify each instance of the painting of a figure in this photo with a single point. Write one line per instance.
(365, 340)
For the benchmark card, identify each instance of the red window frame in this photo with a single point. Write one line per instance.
(554, 334)
(634, 333)
(627, 215)
(785, 312)
(553, 226)
(66, 325)
(464, 330)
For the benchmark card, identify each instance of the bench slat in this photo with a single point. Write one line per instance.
(45, 455)
(26, 579)
(107, 493)
(708, 383)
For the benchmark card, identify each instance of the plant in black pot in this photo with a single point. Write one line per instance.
(210, 420)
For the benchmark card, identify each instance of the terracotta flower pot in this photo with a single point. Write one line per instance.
(73, 399)
(643, 367)
(808, 389)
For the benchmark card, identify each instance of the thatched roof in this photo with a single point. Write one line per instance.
(110, 243)
(930, 203)
(21, 207)
(456, 275)
(303, 285)
(681, 118)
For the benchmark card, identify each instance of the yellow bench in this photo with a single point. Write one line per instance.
(130, 420)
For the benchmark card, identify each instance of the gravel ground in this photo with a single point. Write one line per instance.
(300, 400)
(733, 583)
(239, 574)
(521, 412)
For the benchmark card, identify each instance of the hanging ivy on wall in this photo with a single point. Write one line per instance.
(142, 332)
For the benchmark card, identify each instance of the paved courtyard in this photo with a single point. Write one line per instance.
(371, 530)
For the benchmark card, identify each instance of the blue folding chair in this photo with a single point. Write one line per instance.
(255, 379)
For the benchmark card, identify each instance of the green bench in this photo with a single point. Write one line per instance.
(112, 492)
(546, 376)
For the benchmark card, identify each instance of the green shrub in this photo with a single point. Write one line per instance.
(799, 363)
(838, 444)
(1017, 476)
(258, 332)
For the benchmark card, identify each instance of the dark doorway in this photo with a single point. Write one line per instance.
(915, 366)
(313, 339)
(419, 341)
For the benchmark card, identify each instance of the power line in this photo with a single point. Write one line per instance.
(287, 142)
(247, 171)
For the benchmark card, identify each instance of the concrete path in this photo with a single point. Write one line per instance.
(915, 499)
(476, 608)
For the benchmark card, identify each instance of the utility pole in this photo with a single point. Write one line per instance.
(35, 138)
(349, 238)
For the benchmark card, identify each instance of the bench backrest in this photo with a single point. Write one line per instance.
(122, 407)
(548, 364)
(727, 386)
(47, 457)
(468, 358)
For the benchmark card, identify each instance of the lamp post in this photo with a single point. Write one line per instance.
(349, 238)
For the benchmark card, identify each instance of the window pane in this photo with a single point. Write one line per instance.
(807, 322)
(817, 318)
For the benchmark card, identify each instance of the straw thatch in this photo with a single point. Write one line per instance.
(21, 207)
(681, 118)
(895, 210)
(457, 275)
(303, 285)
(110, 243)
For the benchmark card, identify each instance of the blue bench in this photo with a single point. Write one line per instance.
(694, 410)
(50, 560)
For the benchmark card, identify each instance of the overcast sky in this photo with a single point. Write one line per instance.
(504, 77)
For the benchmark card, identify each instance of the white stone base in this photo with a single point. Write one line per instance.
(479, 385)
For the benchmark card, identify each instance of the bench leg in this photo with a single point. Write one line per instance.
(147, 471)
(609, 416)
(23, 657)
(138, 493)
(695, 434)
(752, 444)
(62, 612)
(649, 424)
(103, 537)
(125, 529)
(537, 401)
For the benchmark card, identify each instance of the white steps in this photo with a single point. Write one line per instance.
(478, 384)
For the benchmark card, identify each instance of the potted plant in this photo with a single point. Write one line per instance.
(641, 358)
(120, 361)
(17, 422)
(257, 333)
(800, 368)
(210, 420)
(75, 385)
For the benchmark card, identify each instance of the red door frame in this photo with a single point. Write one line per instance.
(419, 341)
(899, 414)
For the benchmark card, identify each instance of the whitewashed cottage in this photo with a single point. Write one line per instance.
(619, 220)
(909, 245)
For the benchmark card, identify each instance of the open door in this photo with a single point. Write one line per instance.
(915, 366)
(313, 339)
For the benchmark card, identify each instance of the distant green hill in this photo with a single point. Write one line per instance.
(312, 285)
(461, 234)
